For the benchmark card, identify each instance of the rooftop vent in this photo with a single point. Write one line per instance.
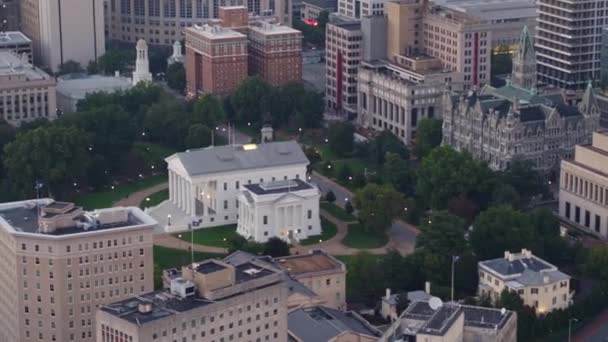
(252, 271)
(144, 308)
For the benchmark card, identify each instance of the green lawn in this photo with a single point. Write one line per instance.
(214, 236)
(358, 238)
(168, 257)
(153, 154)
(337, 212)
(329, 231)
(155, 199)
(106, 198)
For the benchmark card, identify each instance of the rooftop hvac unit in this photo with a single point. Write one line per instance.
(182, 288)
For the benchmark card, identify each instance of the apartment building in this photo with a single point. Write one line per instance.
(431, 320)
(60, 263)
(26, 92)
(311, 9)
(64, 30)
(568, 43)
(216, 60)
(18, 43)
(275, 53)
(9, 15)
(162, 22)
(343, 54)
(583, 192)
(213, 300)
(539, 284)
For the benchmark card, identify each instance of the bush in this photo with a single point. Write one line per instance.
(330, 197)
(349, 207)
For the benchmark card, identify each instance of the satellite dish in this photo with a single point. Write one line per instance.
(503, 311)
(435, 303)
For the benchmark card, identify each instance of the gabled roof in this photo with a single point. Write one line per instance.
(589, 100)
(238, 158)
(320, 324)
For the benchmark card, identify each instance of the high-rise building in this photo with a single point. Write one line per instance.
(357, 9)
(9, 15)
(60, 263)
(583, 189)
(161, 22)
(216, 60)
(568, 42)
(64, 30)
(275, 53)
(213, 300)
(26, 92)
(343, 53)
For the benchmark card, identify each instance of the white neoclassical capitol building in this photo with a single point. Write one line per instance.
(288, 209)
(204, 183)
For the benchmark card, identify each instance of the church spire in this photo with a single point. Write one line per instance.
(524, 62)
(589, 101)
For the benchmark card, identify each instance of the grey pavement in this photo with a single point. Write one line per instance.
(314, 76)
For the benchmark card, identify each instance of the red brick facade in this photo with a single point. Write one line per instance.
(275, 54)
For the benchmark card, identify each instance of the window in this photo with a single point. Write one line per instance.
(568, 210)
(225, 186)
(587, 218)
(309, 214)
(597, 223)
(265, 219)
(237, 185)
(534, 290)
(225, 204)
(577, 214)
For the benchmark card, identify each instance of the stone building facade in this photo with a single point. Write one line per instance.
(518, 121)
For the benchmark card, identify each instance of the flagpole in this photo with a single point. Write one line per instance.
(454, 259)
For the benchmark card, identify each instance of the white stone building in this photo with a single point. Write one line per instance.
(583, 191)
(204, 183)
(142, 65)
(540, 284)
(72, 88)
(288, 209)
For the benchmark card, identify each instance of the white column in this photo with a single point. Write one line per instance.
(182, 193)
(171, 186)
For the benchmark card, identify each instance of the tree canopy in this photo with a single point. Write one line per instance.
(176, 77)
(208, 110)
(70, 67)
(428, 136)
(378, 206)
(341, 138)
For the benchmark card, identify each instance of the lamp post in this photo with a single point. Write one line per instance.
(454, 259)
(570, 320)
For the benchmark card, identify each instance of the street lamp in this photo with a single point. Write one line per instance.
(570, 320)
(168, 219)
(454, 259)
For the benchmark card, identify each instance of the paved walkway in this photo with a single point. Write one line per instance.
(596, 331)
(136, 198)
(170, 241)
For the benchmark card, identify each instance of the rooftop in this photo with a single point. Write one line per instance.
(321, 323)
(228, 158)
(326, 4)
(10, 38)
(215, 32)
(79, 85)
(13, 65)
(278, 187)
(314, 262)
(523, 269)
(494, 10)
(32, 216)
(271, 29)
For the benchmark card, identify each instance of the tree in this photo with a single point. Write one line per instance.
(510, 300)
(384, 143)
(344, 172)
(500, 229)
(208, 111)
(522, 176)
(251, 100)
(167, 122)
(92, 68)
(54, 155)
(330, 196)
(442, 234)
(596, 264)
(378, 206)
(399, 172)
(176, 77)
(198, 136)
(70, 67)
(445, 173)
(348, 207)
(341, 139)
(505, 194)
(240, 243)
(276, 247)
(428, 136)
(359, 180)
(116, 60)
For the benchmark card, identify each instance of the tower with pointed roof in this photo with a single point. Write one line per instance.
(588, 104)
(524, 62)
(142, 65)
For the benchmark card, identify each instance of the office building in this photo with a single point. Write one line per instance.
(357, 9)
(162, 22)
(432, 320)
(343, 53)
(213, 300)
(568, 43)
(72, 88)
(26, 92)
(216, 60)
(583, 190)
(522, 123)
(17, 43)
(204, 183)
(539, 284)
(323, 324)
(311, 9)
(60, 263)
(64, 30)
(287, 209)
(9, 15)
(275, 53)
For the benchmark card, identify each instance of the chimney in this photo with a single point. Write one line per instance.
(508, 256)
(388, 293)
(427, 287)
(116, 73)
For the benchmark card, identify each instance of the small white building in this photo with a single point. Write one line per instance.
(72, 88)
(204, 183)
(288, 209)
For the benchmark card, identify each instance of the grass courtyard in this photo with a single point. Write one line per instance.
(337, 212)
(155, 199)
(214, 236)
(106, 198)
(357, 237)
(329, 231)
